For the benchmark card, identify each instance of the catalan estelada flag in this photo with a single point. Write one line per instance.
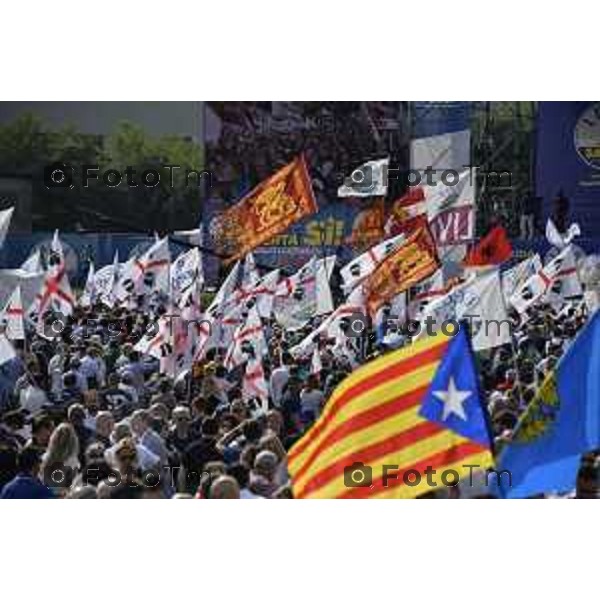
(388, 424)
(268, 210)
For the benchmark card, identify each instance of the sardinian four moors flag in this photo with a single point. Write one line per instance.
(56, 294)
(146, 274)
(269, 209)
(410, 263)
(559, 278)
(370, 179)
(186, 276)
(480, 302)
(105, 281)
(362, 266)
(248, 341)
(516, 276)
(11, 317)
(296, 297)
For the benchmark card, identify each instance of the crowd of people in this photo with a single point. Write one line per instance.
(90, 417)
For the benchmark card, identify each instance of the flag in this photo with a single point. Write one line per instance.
(556, 239)
(269, 209)
(5, 219)
(248, 341)
(406, 211)
(332, 326)
(263, 293)
(88, 296)
(296, 297)
(412, 410)
(151, 270)
(559, 273)
(493, 249)
(250, 274)
(325, 268)
(425, 292)
(7, 352)
(143, 275)
(370, 179)
(516, 276)
(33, 263)
(29, 282)
(56, 295)
(105, 280)
(411, 262)
(478, 301)
(12, 317)
(224, 297)
(561, 423)
(254, 383)
(186, 276)
(451, 210)
(362, 266)
(367, 226)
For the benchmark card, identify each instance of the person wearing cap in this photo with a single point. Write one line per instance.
(27, 485)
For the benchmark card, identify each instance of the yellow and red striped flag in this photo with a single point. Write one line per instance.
(414, 409)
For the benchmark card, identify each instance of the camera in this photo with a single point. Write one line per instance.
(54, 324)
(354, 325)
(58, 175)
(361, 180)
(57, 475)
(358, 475)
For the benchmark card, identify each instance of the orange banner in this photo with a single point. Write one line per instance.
(412, 262)
(268, 210)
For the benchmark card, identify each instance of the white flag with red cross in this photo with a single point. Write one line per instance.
(11, 317)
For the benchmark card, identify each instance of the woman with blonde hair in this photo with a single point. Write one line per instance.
(60, 462)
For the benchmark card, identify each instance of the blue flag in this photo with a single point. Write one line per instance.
(453, 399)
(561, 424)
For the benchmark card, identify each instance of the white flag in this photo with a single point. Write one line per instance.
(264, 293)
(33, 264)
(224, 297)
(105, 282)
(5, 218)
(7, 352)
(29, 282)
(516, 276)
(560, 273)
(254, 385)
(12, 317)
(325, 268)
(248, 341)
(426, 292)
(478, 301)
(370, 179)
(186, 275)
(556, 239)
(56, 295)
(362, 266)
(333, 326)
(296, 297)
(88, 297)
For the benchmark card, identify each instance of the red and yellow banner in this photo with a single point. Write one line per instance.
(412, 262)
(268, 210)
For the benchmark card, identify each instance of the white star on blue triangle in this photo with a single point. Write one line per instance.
(453, 399)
